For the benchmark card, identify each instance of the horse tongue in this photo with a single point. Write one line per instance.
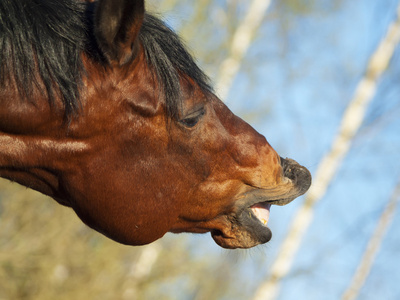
(261, 211)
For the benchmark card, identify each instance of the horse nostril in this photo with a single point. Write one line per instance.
(288, 168)
(300, 175)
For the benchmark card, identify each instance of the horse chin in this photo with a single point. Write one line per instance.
(245, 230)
(244, 239)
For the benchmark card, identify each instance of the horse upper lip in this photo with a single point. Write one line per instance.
(297, 180)
(270, 196)
(261, 196)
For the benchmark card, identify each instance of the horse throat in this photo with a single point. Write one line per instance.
(38, 163)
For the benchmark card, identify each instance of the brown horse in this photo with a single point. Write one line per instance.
(103, 109)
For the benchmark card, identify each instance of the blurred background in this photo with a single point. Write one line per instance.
(320, 80)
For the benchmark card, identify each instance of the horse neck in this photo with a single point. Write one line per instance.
(33, 144)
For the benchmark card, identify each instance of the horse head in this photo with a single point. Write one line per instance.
(149, 148)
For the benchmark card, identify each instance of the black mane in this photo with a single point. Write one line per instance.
(169, 59)
(46, 38)
(43, 38)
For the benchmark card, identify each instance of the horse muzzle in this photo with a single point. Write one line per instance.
(299, 175)
(249, 222)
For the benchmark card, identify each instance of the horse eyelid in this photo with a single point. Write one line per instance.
(196, 114)
(193, 118)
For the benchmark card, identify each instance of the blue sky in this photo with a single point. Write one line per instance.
(294, 85)
(293, 88)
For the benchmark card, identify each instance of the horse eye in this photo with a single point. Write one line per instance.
(192, 119)
(190, 122)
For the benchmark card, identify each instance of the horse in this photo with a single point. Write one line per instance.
(103, 109)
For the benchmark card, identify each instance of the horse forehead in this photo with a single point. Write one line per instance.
(131, 88)
(192, 96)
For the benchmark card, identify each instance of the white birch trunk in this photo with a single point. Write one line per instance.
(373, 247)
(351, 122)
(240, 44)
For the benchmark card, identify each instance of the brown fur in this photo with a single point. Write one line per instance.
(133, 174)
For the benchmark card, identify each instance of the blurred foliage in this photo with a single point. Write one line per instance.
(46, 252)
